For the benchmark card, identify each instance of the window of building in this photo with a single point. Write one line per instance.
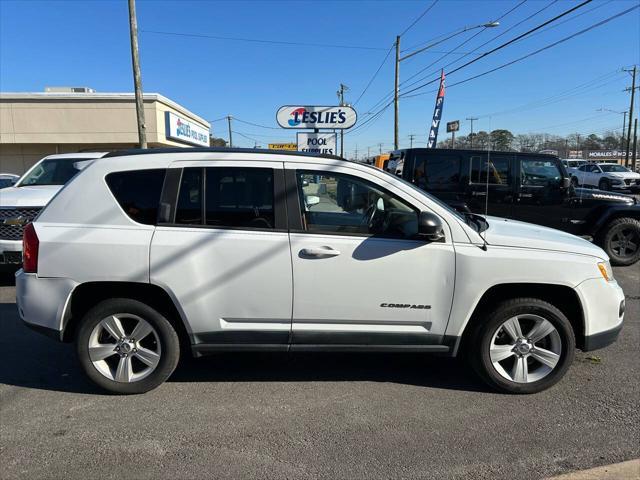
(138, 193)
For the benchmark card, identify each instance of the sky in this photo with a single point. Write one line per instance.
(559, 90)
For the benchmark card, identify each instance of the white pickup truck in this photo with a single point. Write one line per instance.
(21, 203)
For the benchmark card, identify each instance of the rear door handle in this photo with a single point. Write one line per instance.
(319, 252)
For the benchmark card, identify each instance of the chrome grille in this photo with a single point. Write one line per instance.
(14, 232)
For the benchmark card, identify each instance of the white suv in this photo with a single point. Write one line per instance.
(146, 253)
(20, 203)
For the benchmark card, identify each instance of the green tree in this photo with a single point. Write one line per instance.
(502, 140)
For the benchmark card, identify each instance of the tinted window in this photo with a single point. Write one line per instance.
(540, 173)
(494, 171)
(337, 203)
(239, 197)
(189, 205)
(233, 197)
(614, 168)
(138, 193)
(436, 172)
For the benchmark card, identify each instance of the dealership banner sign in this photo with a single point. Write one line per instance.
(606, 154)
(320, 117)
(437, 115)
(317, 142)
(183, 130)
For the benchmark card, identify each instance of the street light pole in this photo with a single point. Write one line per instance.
(633, 92)
(229, 117)
(137, 76)
(396, 89)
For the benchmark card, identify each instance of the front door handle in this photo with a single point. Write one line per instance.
(319, 252)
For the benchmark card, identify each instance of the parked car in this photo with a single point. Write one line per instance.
(570, 163)
(214, 250)
(21, 203)
(529, 187)
(8, 179)
(606, 176)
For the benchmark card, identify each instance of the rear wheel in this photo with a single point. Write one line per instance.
(125, 346)
(621, 240)
(525, 345)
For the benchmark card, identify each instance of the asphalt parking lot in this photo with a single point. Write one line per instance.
(313, 416)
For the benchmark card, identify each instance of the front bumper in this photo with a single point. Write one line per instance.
(10, 254)
(42, 302)
(603, 305)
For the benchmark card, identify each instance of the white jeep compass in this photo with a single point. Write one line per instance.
(149, 252)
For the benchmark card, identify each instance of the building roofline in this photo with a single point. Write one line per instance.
(81, 96)
(151, 151)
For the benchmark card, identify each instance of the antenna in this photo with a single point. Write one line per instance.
(486, 191)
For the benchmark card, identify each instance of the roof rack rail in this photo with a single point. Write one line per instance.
(148, 151)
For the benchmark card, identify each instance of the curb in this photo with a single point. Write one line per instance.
(618, 471)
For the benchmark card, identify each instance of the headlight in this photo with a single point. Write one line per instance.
(606, 271)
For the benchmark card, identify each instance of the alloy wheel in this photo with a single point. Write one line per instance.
(525, 357)
(625, 242)
(124, 348)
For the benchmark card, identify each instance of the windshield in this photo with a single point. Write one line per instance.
(6, 182)
(614, 168)
(54, 172)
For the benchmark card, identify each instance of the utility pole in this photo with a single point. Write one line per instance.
(624, 126)
(633, 92)
(341, 96)
(380, 147)
(471, 119)
(137, 76)
(229, 117)
(356, 152)
(396, 118)
(411, 139)
(635, 143)
(368, 153)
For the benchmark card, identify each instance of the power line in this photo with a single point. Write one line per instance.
(375, 74)
(418, 19)
(257, 40)
(256, 124)
(546, 47)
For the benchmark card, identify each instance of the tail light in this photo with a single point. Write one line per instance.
(30, 246)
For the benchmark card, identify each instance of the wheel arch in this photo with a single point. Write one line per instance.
(563, 297)
(87, 295)
(615, 213)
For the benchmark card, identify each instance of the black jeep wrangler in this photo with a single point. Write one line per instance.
(529, 187)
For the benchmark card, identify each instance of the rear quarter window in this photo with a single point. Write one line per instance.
(138, 193)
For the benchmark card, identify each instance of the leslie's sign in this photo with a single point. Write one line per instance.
(186, 131)
(324, 117)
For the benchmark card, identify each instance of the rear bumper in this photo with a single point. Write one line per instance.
(42, 302)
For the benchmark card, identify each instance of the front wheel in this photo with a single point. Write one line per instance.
(525, 345)
(127, 347)
(621, 240)
(603, 184)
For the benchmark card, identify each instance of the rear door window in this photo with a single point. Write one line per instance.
(494, 170)
(233, 197)
(138, 193)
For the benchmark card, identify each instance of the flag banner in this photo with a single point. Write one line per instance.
(437, 115)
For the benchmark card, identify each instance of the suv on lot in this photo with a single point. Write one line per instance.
(606, 176)
(530, 187)
(214, 250)
(20, 203)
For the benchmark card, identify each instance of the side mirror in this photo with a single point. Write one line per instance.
(311, 200)
(430, 227)
(566, 182)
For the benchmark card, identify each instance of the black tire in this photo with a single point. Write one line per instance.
(613, 236)
(170, 345)
(484, 331)
(604, 184)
